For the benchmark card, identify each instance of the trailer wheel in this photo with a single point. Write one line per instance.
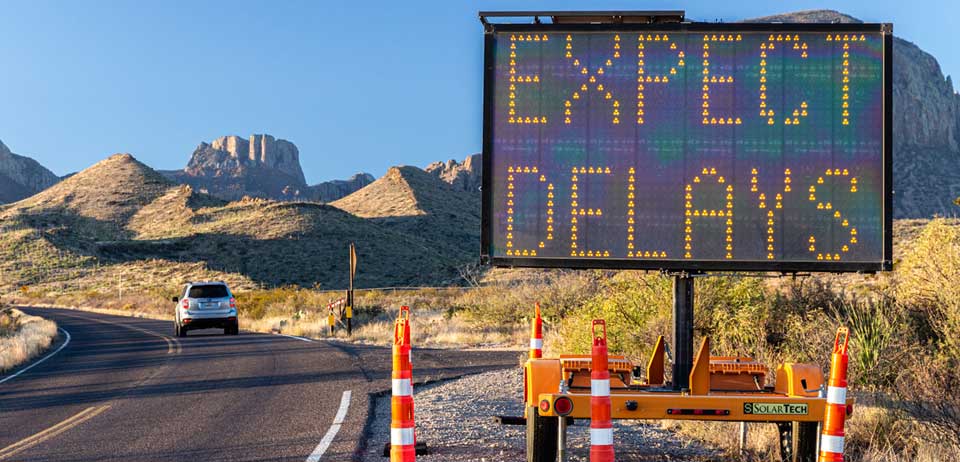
(541, 437)
(798, 441)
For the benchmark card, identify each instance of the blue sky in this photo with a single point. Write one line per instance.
(358, 86)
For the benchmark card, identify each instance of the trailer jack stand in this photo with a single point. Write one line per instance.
(562, 439)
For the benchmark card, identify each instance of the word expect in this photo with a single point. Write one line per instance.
(601, 78)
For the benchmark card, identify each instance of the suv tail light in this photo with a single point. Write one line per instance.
(233, 302)
(186, 304)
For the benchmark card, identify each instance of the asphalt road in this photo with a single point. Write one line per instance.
(126, 389)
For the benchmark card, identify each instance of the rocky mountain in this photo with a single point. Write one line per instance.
(329, 191)
(11, 190)
(79, 229)
(21, 176)
(232, 154)
(464, 176)
(232, 167)
(926, 126)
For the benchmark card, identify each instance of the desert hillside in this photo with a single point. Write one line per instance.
(413, 202)
(79, 229)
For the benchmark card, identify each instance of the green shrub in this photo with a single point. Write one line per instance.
(512, 303)
(636, 308)
(928, 284)
(735, 313)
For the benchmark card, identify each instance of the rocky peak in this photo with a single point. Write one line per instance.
(819, 16)
(233, 155)
(926, 107)
(231, 167)
(463, 176)
(329, 191)
(21, 177)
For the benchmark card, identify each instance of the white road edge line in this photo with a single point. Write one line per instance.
(25, 369)
(302, 339)
(332, 432)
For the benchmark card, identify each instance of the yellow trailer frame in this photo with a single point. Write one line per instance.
(797, 396)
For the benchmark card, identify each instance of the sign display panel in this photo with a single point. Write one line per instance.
(754, 147)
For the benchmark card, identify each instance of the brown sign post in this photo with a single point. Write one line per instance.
(353, 272)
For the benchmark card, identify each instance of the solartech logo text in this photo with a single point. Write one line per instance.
(775, 408)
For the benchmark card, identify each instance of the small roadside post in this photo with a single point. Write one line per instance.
(353, 272)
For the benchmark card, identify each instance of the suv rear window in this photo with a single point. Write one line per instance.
(208, 291)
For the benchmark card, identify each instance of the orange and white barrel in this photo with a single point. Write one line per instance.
(831, 439)
(402, 440)
(536, 335)
(601, 423)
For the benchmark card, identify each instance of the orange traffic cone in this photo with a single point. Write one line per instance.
(831, 440)
(402, 445)
(601, 424)
(536, 336)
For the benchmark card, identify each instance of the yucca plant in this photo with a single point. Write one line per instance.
(874, 324)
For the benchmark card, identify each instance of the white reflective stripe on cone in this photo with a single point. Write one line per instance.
(837, 395)
(402, 387)
(600, 387)
(601, 436)
(830, 443)
(536, 343)
(401, 436)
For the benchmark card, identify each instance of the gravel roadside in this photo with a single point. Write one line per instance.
(455, 420)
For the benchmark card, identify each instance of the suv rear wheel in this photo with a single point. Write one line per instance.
(181, 331)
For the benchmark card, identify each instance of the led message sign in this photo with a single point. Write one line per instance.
(697, 146)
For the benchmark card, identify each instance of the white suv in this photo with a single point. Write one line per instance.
(206, 305)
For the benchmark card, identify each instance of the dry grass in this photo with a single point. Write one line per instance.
(761, 444)
(430, 328)
(437, 322)
(874, 433)
(22, 337)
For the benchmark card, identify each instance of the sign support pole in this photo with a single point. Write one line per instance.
(682, 343)
(353, 272)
